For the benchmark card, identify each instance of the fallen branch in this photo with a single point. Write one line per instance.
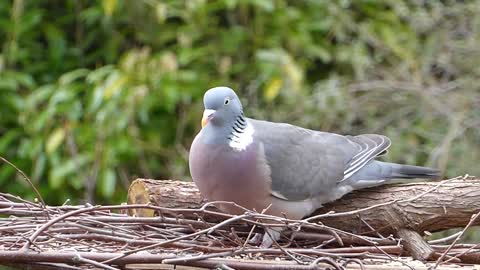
(442, 205)
(404, 210)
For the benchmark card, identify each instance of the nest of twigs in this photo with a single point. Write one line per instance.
(86, 236)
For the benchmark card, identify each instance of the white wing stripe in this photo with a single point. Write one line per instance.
(362, 150)
(360, 159)
(367, 154)
(357, 164)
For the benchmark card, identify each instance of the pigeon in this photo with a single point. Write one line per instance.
(282, 169)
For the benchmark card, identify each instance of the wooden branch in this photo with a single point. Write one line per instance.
(442, 205)
(404, 210)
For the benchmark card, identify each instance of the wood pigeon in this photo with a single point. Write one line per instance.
(291, 170)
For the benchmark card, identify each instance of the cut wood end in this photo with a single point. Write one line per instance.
(138, 194)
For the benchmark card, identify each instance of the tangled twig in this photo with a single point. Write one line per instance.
(105, 237)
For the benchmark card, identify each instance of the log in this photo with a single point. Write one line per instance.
(407, 211)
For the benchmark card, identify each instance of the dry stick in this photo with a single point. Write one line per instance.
(112, 227)
(223, 267)
(116, 207)
(30, 183)
(175, 209)
(249, 235)
(474, 217)
(462, 253)
(395, 260)
(138, 242)
(45, 226)
(20, 256)
(444, 240)
(253, 228)
(91, 246)
(257, 250)
(357, 261)
(327, 260)
(184, 260)
(102, 231)
(80, 259)
(90, 209)
(156, 220)
(24, 202)
(264, 216)
(281, 248)
(42, 266)
(370, 227)
(199, 257)
(207, 231)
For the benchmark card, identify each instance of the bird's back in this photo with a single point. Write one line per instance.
(304, 163)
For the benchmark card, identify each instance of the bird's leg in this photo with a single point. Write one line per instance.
(271, 235)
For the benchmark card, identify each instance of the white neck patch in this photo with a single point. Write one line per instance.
(240, 140)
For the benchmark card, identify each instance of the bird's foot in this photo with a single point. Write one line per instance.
(270, 236)
(256, 239)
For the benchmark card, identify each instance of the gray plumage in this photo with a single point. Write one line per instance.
(294, 170)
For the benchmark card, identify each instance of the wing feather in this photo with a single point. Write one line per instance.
(376, 145)
(306, 163)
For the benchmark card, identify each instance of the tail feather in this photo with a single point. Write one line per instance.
(378, 173)
(410, 171)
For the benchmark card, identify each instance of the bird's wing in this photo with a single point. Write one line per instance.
(305, 163)
(369, 146)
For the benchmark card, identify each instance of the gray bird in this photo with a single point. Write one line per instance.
(290, 170)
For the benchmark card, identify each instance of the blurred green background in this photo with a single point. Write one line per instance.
(96, 93)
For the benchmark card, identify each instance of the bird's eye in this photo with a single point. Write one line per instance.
(226, 101)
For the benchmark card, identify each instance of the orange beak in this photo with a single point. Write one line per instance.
(207, 114)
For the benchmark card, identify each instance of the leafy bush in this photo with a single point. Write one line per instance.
(96, 93)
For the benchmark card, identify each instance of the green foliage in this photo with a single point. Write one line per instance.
(96, 93)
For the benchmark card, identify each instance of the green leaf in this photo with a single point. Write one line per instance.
(59, 172)
(272, 89)
(24, 79)
(114, 84)
(54, 140)
(6, 173)
(39, 95)
(109, 6)
(99, 74)
(7, 139)
(265, 5)
(161, 12)
(39, 167)
(107, 183)
(57, 44)
(71, 76)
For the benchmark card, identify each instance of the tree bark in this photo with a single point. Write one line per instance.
(404, 210)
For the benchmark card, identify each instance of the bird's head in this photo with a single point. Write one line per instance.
(222, 106)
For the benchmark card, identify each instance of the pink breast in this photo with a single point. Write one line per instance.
(222, 174)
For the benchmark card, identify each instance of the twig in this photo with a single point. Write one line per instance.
(445, 239)
(52, 221)
(208, 230)
(327, 260)
(30, 183)
(80, 259)
(357, 261)
(439, 260)
(462, 253)
(186, 237)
